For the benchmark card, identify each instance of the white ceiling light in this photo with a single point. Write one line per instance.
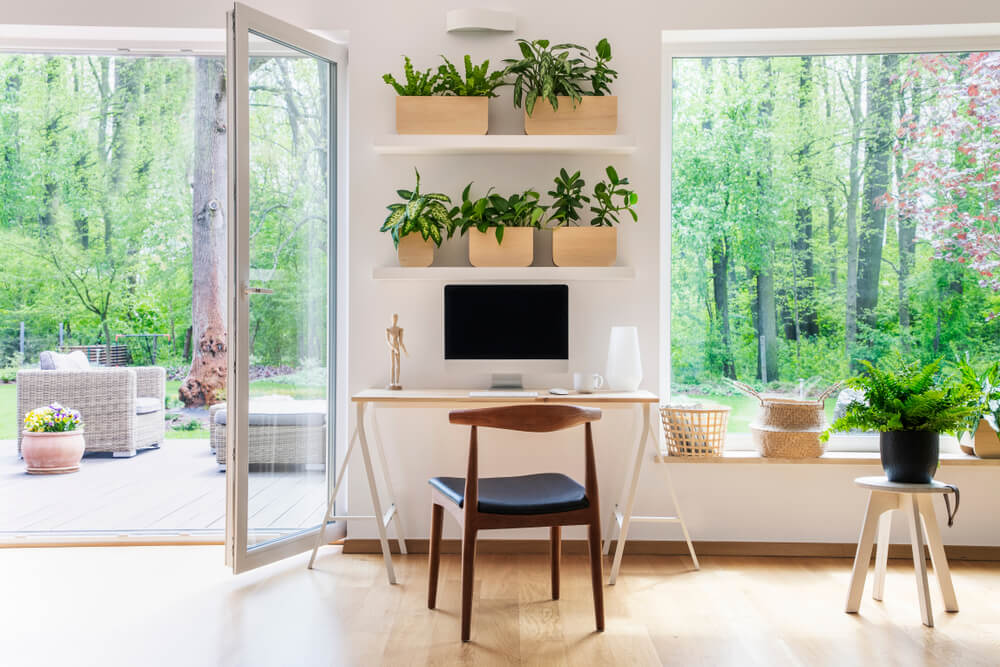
(479, 20)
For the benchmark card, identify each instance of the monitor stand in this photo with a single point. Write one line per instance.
(506, 381)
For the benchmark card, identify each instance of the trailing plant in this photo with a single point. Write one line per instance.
(418, 84)
(499, 212)
(601, 76)
(907, 398)
(547, 71)
(425, 214)
(478, 80)
(567, 198)
(986, 400)
(605, 209)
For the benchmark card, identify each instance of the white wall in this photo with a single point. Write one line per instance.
(732, 502)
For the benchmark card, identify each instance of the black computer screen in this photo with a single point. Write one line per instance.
(506, 322)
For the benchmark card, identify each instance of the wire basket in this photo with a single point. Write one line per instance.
(694, 431)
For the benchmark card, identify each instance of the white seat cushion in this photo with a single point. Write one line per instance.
(145, 405)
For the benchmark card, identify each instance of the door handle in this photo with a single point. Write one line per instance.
(257, 290)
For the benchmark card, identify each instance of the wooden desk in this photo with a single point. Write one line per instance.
(366, 401)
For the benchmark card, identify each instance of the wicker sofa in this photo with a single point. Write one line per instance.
(283, 433)
(122, 408)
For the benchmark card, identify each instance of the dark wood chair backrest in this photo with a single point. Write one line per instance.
(532, 418)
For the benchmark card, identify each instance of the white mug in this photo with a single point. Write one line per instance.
(587, 383)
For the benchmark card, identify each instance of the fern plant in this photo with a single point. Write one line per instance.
(425, 214)
(498, 212)
(477, 82)
(418, 84)
(907, 398)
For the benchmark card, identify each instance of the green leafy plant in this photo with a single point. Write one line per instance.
(477, 82)
(418, 84)
(567, 198)
(605, 208)
(496, 211)
(909, 397)
(601, 76)
(547, 71)
(986, 400)
(425, 214)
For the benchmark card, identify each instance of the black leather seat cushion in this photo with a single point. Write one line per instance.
(543, 493)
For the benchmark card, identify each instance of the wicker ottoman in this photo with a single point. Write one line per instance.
(283, 433)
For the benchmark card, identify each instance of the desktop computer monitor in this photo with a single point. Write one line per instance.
(496, 323)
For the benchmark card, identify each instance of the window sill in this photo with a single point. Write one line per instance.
(830, 458)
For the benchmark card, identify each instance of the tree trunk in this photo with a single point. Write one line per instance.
(805, 300)
(720, 293)
(851, 216)
(878, 144)
(208, 285)
(767, 327)
(907, 229)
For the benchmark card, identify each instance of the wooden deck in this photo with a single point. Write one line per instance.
(177, 489)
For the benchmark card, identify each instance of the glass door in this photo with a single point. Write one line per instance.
(283, 118)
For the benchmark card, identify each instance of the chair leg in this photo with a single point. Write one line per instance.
(434, 560)
(468, 579)
(555, 548)
(596, 572)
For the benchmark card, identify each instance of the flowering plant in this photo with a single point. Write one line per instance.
(52, 419)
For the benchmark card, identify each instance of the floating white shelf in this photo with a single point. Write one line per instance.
(469, 144)
(499, 273)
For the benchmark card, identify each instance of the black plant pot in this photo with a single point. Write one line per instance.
(909, 457)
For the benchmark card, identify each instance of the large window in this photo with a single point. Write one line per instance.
(828, 209)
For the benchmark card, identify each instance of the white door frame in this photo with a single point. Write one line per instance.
(240, 22)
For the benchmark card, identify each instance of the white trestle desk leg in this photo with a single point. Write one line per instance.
(882, 554)
(612, 527)
(321, 538)
(678, 513)
(939, 560)
(626, 511)
(878, 503)
(376, 503)
(911, 508)
(393, 503)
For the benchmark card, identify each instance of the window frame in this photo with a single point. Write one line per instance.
(782, 42)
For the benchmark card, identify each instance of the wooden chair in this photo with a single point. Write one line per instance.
(527, 501)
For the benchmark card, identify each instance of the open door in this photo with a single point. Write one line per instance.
(285, 156)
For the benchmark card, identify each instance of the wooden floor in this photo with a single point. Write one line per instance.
(180, 606)
(177, 488)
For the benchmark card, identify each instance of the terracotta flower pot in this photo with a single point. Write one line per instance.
(52, 453)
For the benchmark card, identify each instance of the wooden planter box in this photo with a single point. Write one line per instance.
(592, 115)
(584, 246)
(517, 249)
(438, 114)
(987, 443)
(413, 250)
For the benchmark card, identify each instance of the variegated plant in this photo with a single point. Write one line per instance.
(426, 214)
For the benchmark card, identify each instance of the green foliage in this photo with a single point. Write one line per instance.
(910, 397)
(418, 84)
(545, 71)
(986, 402)
(605, 209)
(567, 198)
(601, 76)
(478, 80)
(425, 214)
(496, 211)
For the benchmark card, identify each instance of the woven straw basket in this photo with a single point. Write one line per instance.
(787, 428)
(694, 431)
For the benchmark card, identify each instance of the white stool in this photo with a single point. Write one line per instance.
(915, 501)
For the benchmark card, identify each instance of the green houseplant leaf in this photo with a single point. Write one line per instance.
(425, 214)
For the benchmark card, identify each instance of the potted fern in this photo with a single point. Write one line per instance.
(512, 219)
(910, 407)
(445, 101)
(596, 245)
(418, 224)
(564, 89)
